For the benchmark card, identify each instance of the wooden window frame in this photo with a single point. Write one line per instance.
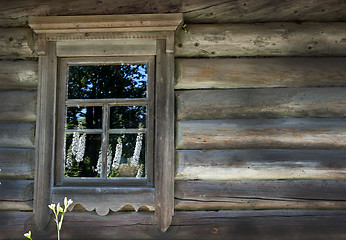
(105, 36)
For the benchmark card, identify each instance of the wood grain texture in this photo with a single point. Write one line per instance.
(16, 194)
(275, 194)
(260, 164)
(17, 135)
(261, 103)
(239, 224)
(292, 133)
(16, 43)
(15, 13)
(262, 39)
(15, 75)
(18, 106)
(260, 72)
(17, 163)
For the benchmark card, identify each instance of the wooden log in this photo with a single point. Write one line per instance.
(12, 224)
(17, 135)
(18, 106)
(262, 39)
(239, 224)
(295, 194)
(16, 194)
(260, 73)
(261, 103)
(17, 163)
(13, 13)
(260, 164)
(16, 43)
(15, 75)
(293, 133)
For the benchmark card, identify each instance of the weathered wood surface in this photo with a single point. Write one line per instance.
(16, 194)
(260, 164)
(238, 224)
(14, 13)
(16, 43)
(262, 39)
(251, 194)
(18, 75)
(12, 224)
(290, 133)
(17, 135)
(17, 163)
(260, 72)
(18, 106)
(261, 103)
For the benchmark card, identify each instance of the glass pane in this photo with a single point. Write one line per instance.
(128, 117)
(128, 159)
(107, 81)
(84, 117)
(82, 153)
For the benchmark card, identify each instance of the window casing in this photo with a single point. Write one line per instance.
(94, 40)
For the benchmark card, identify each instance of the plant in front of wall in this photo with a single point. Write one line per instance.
(57, 209)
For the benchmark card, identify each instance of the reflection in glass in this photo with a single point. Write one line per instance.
(84, 117)
(81, 154)
(128, 159)
(107, 81)
(128, 117)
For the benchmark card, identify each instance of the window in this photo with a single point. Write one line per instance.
(105, 120)
(106, 124)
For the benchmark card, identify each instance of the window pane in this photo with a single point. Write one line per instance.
(128, 159)
(107, 81)
(128, 117)
(81, 154)
(84, 117)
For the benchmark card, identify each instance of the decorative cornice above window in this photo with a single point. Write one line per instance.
(137, 26)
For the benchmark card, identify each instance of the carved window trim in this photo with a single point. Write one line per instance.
(105, 36)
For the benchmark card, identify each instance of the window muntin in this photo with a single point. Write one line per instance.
(106, 107)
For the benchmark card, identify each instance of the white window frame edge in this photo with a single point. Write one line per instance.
(52, 29)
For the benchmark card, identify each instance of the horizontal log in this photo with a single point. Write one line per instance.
(290, 133)
(18, 106)
(18, 75)
(294, 194)
(17, 135)
(16, 194)
(264, 224)
(12, 224)
(203, 11)
(262, 39)
(260, 72)
(261, 103)
(17, 163)
(16, 43)
(260, 164)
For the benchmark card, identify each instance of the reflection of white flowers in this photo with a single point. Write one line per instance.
(109, 160)
(140, 171)
(118, 153)
(134, 160)
(76, 150)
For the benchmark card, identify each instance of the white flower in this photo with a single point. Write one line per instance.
(140, 171)
(109, 158)
(28, 235)
(99, 162)
(118, 153)
(81, 148)
(134, 160)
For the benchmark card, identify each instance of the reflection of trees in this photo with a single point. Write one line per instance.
(97, 82)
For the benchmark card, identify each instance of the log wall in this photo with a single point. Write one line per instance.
(260, 121)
